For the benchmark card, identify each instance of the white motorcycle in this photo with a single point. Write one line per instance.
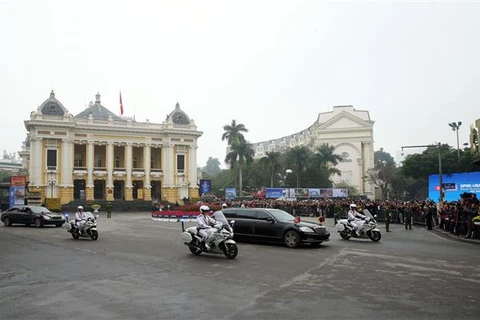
(368, 230)
(220, 241)
(89, 228)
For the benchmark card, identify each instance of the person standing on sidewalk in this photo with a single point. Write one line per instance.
(408, 217)
(388, 218)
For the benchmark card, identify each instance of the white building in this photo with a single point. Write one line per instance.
(350, 131)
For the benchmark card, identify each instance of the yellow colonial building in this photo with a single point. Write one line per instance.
(97, 155)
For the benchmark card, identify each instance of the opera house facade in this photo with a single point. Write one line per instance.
(97, 155)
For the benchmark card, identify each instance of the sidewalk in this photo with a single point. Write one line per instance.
(452, 236)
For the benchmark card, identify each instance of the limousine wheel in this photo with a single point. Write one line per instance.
(292, 239)
(7, 222)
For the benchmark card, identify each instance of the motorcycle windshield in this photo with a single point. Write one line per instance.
(220, 217)
(367, 214)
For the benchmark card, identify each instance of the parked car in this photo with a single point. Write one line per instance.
(36, 215)
(274, 225)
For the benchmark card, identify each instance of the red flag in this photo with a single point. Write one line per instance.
(121, 104)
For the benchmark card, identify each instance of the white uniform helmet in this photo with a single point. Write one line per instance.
(79, 208)
(204, 208)
(224, 205)
(353, 206)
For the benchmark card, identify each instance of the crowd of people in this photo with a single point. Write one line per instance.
(456, 217)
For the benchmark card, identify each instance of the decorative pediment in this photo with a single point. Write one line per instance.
(344, 120)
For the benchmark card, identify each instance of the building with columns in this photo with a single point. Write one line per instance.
(350, 131)
(97, 155)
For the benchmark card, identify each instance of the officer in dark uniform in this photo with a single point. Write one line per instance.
(388, 218)
(408, 217)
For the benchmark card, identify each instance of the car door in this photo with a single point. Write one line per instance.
(28, 216)
(22, 215)
(264, 230)
(244, 221)
(13, 214)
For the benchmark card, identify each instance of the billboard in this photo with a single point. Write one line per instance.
(230, 193)
(273, 193)
(17, 190)
(454, 185)
(205, 186)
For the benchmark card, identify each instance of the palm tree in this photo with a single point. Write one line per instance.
(326, 159)
(233, 133)
(299, 157)
(240, 154)
(272, 161)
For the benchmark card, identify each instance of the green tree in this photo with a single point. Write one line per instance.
(272, 162)
(212, 167)
(240, 154)
(298, 158)
(325, 160)
(234, 133)
(383, 173)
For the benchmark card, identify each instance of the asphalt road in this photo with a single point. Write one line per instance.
(139, 269)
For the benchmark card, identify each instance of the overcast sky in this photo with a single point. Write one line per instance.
(271, 65)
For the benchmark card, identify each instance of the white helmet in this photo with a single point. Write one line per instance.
(79, 208)
(353, 205)
(224, 205)
(204, 208)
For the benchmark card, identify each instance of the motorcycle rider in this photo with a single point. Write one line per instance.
(80, 218)
(356, 219)
(204, 224)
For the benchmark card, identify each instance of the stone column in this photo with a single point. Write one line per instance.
(192, 169)
(147, 188)
(128, 169)
(168, 164)
(109, 159)
(65, 189)
(368, 158)
(67, 167)
(36, 161)
(361, 184)
(90, 165)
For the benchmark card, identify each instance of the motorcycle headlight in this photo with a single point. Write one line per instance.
(306, 229)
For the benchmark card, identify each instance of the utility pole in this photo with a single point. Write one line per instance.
(440, 174)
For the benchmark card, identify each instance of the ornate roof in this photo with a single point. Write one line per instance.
(97, 111)
(177, 116)
(52, 107)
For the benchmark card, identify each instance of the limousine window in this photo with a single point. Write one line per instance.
(262, 215)
(245, 214)
(281, 215)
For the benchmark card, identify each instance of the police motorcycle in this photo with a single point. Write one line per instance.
(369, 229)
(220, 241)
(89, 228)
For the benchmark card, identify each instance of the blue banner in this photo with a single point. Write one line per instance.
(314, 193)
(205, 186)
(230, 193)
(273, 193)
(454, 185)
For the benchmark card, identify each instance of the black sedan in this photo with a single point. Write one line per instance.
(274, 225)
(27, 215)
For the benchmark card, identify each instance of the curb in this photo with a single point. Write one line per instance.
(454, 237)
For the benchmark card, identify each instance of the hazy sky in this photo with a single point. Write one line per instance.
(271, 65)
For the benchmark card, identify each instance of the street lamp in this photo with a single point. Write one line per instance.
(440, 176)
(455, 126)
(287, 172)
